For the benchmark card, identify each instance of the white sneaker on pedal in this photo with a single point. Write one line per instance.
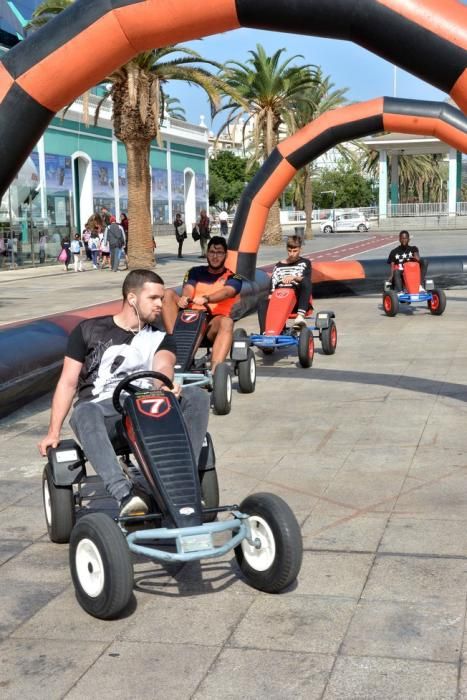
(131, 505)
(421, 289)
(299, 321)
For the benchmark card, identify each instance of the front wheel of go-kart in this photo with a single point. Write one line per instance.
(247, 373)
(273, 562)
(390, 302)
(329, 338)
(306, 347)
(327, 229)
(59, 508)
(222, 389)
(437, 303)
(209, 493)
(101, 567)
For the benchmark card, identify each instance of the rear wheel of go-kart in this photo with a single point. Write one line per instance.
(362, 228)
(390, 302)
(209, 493)
(247, 373)
(329, 338)
(437, 303)
(306, 347)
(327, 229)
(101, 568)
(59, 508)
(273, 564)
(222, 389)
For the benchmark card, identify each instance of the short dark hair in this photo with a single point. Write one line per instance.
(295, 241)
(218, 240)
(404, 233)
(136, 279)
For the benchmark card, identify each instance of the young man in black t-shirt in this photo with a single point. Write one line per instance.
(402, 254)
(294, 272)
(101, 352)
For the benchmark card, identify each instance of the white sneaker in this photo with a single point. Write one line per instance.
(421, 289)
(299, 321)
(132, 505)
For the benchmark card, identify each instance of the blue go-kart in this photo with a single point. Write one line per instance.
(412, 293)
(181, 524)
(278, 334)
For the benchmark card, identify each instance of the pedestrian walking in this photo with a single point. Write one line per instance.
(75, 247)
(180, 233)
(204, 230)
(65, 253)
(94, 245)
(223, 223)
(114, 236)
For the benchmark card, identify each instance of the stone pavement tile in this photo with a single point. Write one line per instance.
(431, 462)
(353, 531)
(386, 679)
(43, 669)
(14, 489)
(299, 623)
(301, 502)
(381, 432)
(406, 535)
(365, 489)
(22, 523)
(235, 486)
(331, 574)
(10, 548)
(367, 459)
(405, 630)
(417, 580)
(315, 461)
(252, 674)
(220, 575)
(442, 498)
(445, 431)
(146, 669)
(313, 482)
(463, 682)
(175, 618)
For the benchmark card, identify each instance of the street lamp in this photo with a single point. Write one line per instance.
(333, 192)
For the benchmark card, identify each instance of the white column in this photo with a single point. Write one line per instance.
(383, 185)
(452, 182)
(115, 172)
(206, 167)
(43, 193)
(169, 179)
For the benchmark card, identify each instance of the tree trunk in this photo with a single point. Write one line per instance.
(140, 239)
(308, 200)
(273, 232)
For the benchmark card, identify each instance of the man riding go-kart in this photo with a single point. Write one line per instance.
(107, 360)
(407, 283)
(100, 353)
(290, 292)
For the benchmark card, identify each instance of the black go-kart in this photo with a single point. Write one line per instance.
(184, 503)
(194, 368)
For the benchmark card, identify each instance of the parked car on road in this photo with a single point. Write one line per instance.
(354, 221)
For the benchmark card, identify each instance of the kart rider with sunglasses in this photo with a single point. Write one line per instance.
(213, 287)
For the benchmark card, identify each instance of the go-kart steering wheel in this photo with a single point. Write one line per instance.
(126, 385)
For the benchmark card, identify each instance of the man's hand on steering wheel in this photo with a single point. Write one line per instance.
(183, 302)
(201, 300)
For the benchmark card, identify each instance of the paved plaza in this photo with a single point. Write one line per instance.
(369, 448)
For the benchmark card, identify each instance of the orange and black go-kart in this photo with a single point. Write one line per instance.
(183, 500)
(279, 333)
(194, 355)
(413, 292)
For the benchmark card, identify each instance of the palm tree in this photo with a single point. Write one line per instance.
(320, 97)
(270, 89)
(139, 103)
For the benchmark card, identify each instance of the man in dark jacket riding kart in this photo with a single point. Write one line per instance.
(100, 353)
(295, 272)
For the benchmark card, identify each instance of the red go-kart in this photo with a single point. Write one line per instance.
(412, 292)
(278, 334)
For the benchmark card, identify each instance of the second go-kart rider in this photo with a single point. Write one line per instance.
(100, 353)
(402, 254)
(295, 272)
(212, 286)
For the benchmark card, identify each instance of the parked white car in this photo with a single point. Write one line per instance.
(346, 222)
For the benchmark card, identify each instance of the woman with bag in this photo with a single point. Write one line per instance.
(180, 233)
(65, 254)
(204, 228)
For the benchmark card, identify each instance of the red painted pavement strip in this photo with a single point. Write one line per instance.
(345, 251)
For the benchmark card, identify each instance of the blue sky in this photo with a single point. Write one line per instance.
(366, 75)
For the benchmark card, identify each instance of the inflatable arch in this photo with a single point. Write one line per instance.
(384, 114)
(53, 66)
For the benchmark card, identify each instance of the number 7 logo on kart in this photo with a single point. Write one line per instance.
(156, 407)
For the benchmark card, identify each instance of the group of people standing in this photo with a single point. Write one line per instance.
(103, 242)
(201, 231)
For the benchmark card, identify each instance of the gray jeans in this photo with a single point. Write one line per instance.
(94, 424)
